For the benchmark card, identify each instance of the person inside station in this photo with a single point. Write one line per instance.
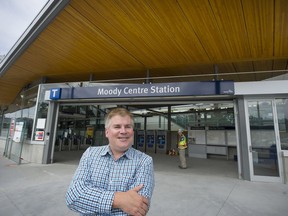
(182, 146)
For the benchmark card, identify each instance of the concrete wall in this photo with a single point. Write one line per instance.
(33, 153)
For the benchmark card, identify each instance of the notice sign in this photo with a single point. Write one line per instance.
(40, 123)
(18, 131)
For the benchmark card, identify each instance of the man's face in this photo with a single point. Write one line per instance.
(120, 133)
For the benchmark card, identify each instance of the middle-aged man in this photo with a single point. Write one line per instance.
(115, 179)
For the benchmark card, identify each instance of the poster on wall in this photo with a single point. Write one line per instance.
(12, 127)
(18, 131)
(39, 136)
(40, 126)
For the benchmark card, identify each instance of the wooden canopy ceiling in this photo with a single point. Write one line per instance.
(182, 40)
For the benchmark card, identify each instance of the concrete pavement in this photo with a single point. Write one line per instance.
(207, 188)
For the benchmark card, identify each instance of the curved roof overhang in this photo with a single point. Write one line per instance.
(169, 41)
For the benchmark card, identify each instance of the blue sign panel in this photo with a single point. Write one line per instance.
(147, 90)
(55, 93)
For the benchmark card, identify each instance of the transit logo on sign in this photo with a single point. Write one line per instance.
(55, 93)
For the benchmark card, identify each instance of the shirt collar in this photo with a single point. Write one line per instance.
(128, 154)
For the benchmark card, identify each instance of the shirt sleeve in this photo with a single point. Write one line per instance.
(82, 197)
(145, 176)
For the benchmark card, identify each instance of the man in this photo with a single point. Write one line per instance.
(115, 179)
(182, 146)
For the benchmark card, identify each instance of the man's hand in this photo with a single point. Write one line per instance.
(131, 202)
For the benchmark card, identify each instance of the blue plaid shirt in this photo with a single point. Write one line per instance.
(98, 177)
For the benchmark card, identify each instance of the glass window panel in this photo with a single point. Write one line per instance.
(263, 141)
(23, 107)
(282, 114)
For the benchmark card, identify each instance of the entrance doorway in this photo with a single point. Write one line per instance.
(263, 141)
(81, 126)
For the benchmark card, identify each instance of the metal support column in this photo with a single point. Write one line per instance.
(51, 127)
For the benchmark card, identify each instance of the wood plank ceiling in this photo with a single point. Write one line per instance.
(181, 40)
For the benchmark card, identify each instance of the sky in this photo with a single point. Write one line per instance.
(15, 17)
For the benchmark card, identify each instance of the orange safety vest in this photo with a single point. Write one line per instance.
(182, 144)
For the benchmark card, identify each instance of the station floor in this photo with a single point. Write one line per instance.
(209, 187)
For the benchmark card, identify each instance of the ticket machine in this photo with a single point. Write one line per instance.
(150, 141)
(161, 142)
(140, 139)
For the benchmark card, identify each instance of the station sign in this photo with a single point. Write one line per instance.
(55, 93)
(144, 90)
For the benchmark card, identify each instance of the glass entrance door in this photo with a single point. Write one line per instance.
(263, 145)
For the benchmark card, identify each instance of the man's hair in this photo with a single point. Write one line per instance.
(118, 111)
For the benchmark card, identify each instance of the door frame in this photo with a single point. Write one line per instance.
(277, 139)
